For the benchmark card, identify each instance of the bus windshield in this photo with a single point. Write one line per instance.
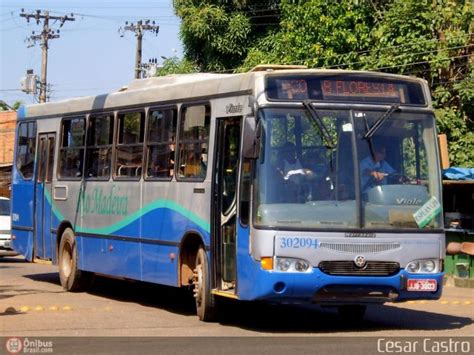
(376, 181)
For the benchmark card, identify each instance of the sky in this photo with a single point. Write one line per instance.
(90, 57)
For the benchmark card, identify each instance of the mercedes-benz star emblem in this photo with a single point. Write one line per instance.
(360, 261)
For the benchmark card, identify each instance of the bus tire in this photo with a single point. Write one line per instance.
(205, 300)
(72, 279)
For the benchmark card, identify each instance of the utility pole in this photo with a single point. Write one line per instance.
(44, 37)
(139, 29)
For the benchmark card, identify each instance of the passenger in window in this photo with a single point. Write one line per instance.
(192, 167)
(92, 171)
(78, 168)
(171, 157)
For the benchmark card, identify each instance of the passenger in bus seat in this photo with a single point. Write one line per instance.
(94, 167)
(171, 157)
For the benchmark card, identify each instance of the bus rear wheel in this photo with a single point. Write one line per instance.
(205, 300)
(72, 279)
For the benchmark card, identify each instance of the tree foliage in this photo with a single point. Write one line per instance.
(433, 40)
(429, 39)
(5, 107)
(174, 65)
(217, 34)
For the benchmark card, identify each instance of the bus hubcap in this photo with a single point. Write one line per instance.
(67, 260)
(197, 282)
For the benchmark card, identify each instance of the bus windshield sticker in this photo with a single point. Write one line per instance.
(427, 212)
(347, 127)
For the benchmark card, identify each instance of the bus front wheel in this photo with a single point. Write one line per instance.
(205, 300)
(72, 279)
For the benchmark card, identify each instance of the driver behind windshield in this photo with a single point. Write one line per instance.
(375, 169)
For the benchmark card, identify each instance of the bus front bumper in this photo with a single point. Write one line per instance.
(318, 287)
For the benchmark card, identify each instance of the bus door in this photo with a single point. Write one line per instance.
(225, 190)
(43, 245)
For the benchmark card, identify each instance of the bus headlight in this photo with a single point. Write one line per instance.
(292, 265)
(426, 266)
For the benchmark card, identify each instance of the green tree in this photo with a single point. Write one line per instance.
(429, 39)
(316, 33)
(5, 107)
(433, 40)
(174, 65)
(217, 34)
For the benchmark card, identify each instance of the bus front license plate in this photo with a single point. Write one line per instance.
(422, 285)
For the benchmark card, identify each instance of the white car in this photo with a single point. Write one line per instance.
(5, 229)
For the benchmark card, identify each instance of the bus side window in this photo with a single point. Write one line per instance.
(26, 149)
(161, 143)
(193, 142)
(99, 146)
(129, 147)
(71, 154)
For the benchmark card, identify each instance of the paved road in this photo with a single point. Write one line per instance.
(33, 304)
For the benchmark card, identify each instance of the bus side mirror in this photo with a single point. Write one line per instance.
(251, 138)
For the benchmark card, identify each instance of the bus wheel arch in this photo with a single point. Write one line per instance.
(189, 247)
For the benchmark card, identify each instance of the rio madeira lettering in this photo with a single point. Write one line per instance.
(109, 202)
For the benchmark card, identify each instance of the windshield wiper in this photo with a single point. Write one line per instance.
(380, 121)
(319, 122)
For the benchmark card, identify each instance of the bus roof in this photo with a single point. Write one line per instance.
(178, 87)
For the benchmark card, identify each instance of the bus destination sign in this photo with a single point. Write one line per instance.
(349, 88)
(359, 88)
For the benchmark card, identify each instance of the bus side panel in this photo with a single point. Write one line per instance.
(92, 252)
(247, 268)
(171, 210)
(23, 243)
(163, 228)
(121, 258)
(160, 264)
(23, 215)
(109, 256)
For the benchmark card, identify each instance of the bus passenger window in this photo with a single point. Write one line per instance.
(161, 143)
(26, 149)
(99, 146)
(71, 154)
(193, 142)
(131, 128)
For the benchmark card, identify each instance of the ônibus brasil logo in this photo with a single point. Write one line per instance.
(14, 345)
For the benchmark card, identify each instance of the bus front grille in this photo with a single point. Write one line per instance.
(348, 268)
(360, 248)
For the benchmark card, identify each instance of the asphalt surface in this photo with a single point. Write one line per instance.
(116, 316)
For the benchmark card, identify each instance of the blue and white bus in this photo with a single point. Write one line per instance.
(281, 184)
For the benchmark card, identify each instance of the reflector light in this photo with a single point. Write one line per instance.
(267, 263)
